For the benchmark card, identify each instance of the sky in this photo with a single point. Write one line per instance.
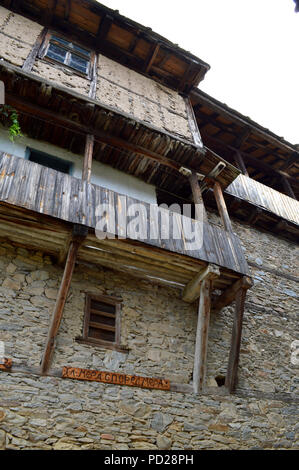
(251, 46)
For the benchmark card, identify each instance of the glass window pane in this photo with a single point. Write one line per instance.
(56, 53)
(78, 63)
(82, 51)
(62, 41)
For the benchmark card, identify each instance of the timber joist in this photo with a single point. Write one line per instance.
(52, 237)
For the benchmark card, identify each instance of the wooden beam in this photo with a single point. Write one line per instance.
(87, 163)
(151, 57)
(200, 212)
(202, 333)
(233, 362)
(288, 188)
(78, 234)
(104, 27)
(29, 62)
(230, 293)
(100, 136)
(222, 207)
(192, 289)
(290, 162)
(256, 214)
(49, 12)
(253, 161)
(240, 162)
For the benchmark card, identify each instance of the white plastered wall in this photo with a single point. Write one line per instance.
(102, 175)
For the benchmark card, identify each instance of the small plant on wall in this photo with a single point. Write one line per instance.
(9, 118)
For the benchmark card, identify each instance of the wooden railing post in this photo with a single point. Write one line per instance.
(87, 163)
(222, 207)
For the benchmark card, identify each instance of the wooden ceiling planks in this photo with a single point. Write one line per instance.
(63, 118)
(119, 38)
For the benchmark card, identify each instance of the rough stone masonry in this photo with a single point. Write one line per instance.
(158, 329)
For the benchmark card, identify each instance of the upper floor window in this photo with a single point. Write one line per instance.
(67, 53)
(49, 161)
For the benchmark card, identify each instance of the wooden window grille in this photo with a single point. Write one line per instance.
(102, 320)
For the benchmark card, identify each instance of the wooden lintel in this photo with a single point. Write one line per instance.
(233, 362)
(202, 333)
(78, 235)
(222, 207)
(192, 289)
(226, 298)
(87, 163)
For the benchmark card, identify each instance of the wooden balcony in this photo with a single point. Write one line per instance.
(265, 198)
(42, 190)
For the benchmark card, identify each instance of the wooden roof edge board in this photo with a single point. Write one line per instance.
(27, 9)
(88, 100)
(244, 120)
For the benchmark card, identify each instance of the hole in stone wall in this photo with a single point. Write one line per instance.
(220, 379)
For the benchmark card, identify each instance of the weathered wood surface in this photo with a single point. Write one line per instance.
(265, 197)
(61, 298)
(115, 378)
(46, 191)
(6, 365)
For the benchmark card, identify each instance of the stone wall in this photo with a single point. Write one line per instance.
(159, 331)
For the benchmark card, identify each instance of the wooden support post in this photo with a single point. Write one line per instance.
(240, 162)
(288, 188)
(233, 362)
(200, 211)
(222, 207)
(201, 345)
(87, 163)
(202, 333)
(79, 234)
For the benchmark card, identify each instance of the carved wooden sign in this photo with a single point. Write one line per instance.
(6, 365)
(115, 378)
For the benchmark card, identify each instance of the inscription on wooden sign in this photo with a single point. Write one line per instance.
(115, 378)
(6, 365)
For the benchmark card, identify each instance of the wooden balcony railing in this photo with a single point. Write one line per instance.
(265, 198)
(46, 191)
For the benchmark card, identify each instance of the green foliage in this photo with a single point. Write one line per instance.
(8, 115)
